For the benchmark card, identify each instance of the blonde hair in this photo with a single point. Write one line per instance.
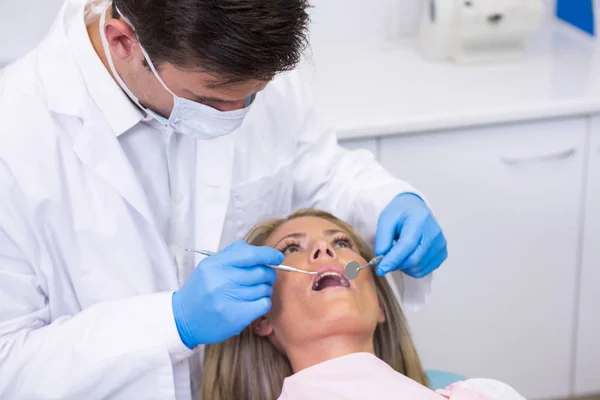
(248, 366)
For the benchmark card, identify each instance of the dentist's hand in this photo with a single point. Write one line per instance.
(420, 246)
(225, 293)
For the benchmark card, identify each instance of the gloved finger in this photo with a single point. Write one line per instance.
(255, 309)
(428, 266)
(409, 239)
(439, 244)
(255, 276)
(386, 233)
(425, 251)
(252, 293)
(241, 254)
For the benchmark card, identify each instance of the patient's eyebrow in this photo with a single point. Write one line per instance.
(298, 235)
(331, 232)
(292, 235)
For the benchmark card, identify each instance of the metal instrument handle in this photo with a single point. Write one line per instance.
(279, 267)
(374, 261)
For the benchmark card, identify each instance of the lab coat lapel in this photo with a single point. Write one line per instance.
(214, 169)
(97, 147)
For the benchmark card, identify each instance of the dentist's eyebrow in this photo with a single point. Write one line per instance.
(208, 99)
(291, 235)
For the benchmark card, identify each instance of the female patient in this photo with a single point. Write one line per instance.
(326, 337)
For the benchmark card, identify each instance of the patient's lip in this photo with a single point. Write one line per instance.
(329, 268)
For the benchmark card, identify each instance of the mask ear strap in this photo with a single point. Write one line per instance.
(146, 56)
(116, 75)
(154, 71)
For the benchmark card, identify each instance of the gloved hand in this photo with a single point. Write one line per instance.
(420, 246)
(225, 293)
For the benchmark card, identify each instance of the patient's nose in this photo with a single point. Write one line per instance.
(322, 251)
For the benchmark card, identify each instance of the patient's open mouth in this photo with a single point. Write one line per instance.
(330, 279)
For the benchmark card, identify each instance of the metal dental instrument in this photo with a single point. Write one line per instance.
(279, 267)
(353, 268)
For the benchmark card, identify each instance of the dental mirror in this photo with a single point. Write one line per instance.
(352, 268)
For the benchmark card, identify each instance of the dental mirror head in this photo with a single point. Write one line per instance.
(352, 269)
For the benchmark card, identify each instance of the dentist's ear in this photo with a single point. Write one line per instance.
(262, 326)
(120, 36)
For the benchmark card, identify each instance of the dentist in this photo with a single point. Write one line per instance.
(134, 128)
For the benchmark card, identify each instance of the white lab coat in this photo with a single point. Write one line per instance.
(86, 277)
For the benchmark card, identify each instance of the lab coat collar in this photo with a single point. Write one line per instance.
(76, 84)
(104, 155)
(73, 75)
(59, 72)
(104, 91)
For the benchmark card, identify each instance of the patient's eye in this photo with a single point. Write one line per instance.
(292, 248)
(342, 242)
(289, 246)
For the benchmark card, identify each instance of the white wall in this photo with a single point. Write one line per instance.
(340, 20)
(23, 23)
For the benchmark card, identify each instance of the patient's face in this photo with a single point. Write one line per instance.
(309, 307)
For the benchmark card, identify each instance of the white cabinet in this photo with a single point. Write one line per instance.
(587, 366)
(509, 200)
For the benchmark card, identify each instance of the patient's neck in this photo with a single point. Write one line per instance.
(312, 352)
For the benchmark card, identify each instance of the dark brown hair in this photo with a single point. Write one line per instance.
(234, 40)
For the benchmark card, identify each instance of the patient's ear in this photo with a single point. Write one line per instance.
(262, 326)
(381, 311)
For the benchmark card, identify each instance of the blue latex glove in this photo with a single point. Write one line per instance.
(420, 245)
(225, 293)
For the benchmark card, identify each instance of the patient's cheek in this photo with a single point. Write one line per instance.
(292, 302)
(285, 292)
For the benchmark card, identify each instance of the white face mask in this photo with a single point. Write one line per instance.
(187, 117)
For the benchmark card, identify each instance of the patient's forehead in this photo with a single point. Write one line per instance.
(311, 226)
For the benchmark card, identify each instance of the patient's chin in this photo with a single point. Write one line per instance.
(335, 318)
(345, 316)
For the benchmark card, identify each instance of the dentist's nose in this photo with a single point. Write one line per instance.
(322, 251)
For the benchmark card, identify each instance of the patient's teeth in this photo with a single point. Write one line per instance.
(343, 281)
